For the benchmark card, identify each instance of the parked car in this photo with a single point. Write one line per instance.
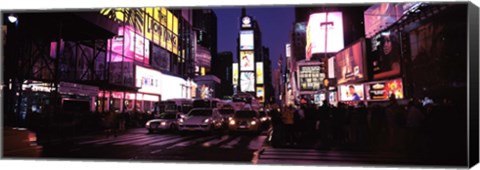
(245, 120)
(201, 119)
(20, 142)
(163, 122)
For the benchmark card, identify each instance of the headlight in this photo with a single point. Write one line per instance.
(232, 122)
(147, 124)
(163, 123)
(180, 120)
(263, 119)
(230, 118)
(253, 122)
(206, 120)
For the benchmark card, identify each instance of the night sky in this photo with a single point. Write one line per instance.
(275, 24)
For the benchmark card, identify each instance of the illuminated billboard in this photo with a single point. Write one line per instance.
(147, 80)
(261, 94)
(246, 61)
(383, 89)
(157, 25)
(259, 72)
(235, 74)
(247, 81)
(350, 63)
(386, 61)
(351, 92)
(130, 45)
(331, 68)
(246, 40)
(318, 24)
(310, 77)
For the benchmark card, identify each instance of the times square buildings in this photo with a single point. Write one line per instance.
(110, 60)
(409, 50)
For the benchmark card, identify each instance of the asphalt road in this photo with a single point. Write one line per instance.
(138, 145)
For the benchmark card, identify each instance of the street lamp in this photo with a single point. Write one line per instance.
(12, 18)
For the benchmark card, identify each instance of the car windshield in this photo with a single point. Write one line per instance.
(245, 114)
(168, 116)
(200, 113)
(226, 111)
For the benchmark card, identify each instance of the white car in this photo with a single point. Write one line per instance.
(201, 119)
(165, 121)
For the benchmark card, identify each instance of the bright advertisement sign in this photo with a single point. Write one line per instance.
(247, 60)
(349, 63)
(157, 25)
(247, 82)
(383, 89)
(147, 80)
(131, 45)
(386, 62)
(323, 26)
(310, 77)
(259, 72)
(235, 74)
(351, 92)
(260, 94)
(246, 40)
(331, 68)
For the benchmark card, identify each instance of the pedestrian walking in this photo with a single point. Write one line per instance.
(288, 120)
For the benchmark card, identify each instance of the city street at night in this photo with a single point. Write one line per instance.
(379, 84)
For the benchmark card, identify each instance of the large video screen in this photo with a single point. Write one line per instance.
(386, 61)
(259, 72)
(247, 61)
(246, 40)
(310, 77)
(351, 92)
(316, 28)
(235, 74)
(383, 89)
(349, 63)
(247, 81)
(261, 94)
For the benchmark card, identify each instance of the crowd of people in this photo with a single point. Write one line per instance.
(386, 126)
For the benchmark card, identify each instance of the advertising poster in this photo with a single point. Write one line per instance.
(235, 74)
(246, 40)
(247, 81)
(332, 98)
(351, 92)
(261, 94)
(246, 61)
(349, 63)
(259, 72)
(310, 77)
(383, 89)
(386, 61)
(331, 68)
(319, 25)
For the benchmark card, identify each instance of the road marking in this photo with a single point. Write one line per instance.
(134, 142)
(193, 142)
(156, 140)
(257, 142)
(173, 140)
(231, 143)
(109, 139)
(216, 141)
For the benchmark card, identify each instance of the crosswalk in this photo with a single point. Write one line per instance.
(317, 157)
(176, 140)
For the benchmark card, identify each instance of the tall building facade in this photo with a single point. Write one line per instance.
(253, 61)
(112, 60)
